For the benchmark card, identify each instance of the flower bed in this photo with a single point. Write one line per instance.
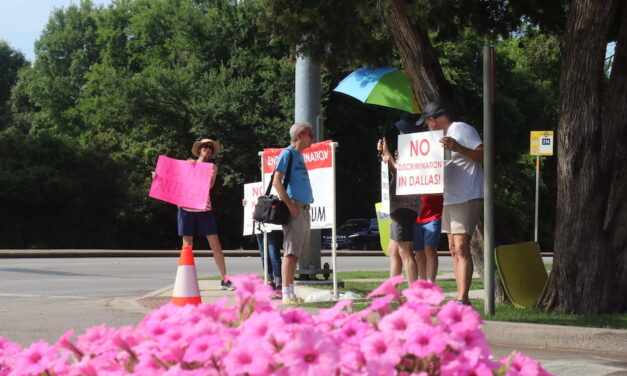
(420, 337)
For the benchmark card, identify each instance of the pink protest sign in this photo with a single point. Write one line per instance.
(182, 183)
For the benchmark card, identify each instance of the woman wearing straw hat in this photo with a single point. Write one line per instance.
(202, 222)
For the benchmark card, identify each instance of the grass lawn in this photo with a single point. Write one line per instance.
(364, 288)
(503, 312)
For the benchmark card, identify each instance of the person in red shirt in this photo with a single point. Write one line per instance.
(427, 236)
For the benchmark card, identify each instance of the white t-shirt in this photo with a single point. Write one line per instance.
(463, 177)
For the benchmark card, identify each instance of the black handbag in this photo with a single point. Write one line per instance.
(270, 208)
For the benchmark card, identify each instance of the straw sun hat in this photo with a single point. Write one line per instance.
(205, 141)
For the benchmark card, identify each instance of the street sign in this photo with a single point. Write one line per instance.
(541, 143)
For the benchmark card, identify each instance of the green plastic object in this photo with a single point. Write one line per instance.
(522, 272)
(384, 221)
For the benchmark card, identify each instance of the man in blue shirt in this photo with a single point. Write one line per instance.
(298, 196)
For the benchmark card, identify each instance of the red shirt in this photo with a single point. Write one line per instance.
(431, 208)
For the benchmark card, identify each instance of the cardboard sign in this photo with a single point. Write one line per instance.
(420, 164)
(384, 221)
(182, 183)
(385, 188)
(319, 163)
(251, 192)
(541, 143)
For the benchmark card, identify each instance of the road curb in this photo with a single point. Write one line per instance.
(541, 336)
(609, 341)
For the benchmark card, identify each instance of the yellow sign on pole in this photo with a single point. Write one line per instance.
(541, 143)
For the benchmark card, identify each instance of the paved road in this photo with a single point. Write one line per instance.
(41, 298)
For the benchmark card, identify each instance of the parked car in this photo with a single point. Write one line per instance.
(347, 228)
(367, 240)
(354, 234)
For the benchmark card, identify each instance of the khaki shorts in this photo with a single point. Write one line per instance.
(296, 234)
(462, 218)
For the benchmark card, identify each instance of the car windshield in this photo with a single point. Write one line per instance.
(353, 226)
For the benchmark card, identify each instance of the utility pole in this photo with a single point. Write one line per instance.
(307, 109)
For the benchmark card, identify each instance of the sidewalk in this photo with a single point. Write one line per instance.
(43, 253)
(567, 338)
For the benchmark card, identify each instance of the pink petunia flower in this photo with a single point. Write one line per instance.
(296, 316)
(351, 359)
(250, 288)
(247, 359)
(421, 291)
(380, 305)
(388, 288)
(95, 339)
(469, 339)
(331, 314)
(202, 348)
(459, 317)
(383, 347)
(379, 367)
(399, 322)
(177, 370)
(354, 331)
(310, 353)
(424, 341)
(261, 324)
(40, 357)
(520, 365)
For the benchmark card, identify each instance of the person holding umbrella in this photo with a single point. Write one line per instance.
(404, 210)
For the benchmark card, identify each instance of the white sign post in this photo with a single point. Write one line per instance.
(540, 143)
(420, 164)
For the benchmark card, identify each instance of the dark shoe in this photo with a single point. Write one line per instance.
(463, 302)
(226, 285)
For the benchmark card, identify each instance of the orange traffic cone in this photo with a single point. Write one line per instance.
(186, 290)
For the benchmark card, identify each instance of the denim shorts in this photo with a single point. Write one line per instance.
(427, 234)
(196, 223)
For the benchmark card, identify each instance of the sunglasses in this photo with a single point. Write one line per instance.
(207, 146)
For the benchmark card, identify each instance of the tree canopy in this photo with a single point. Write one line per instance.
(140, 78)
(112, 88)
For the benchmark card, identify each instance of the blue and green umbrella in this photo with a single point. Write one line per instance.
(387, 87)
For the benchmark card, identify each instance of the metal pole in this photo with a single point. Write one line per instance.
(307, 108)
(488, 177)
(265, 235)
(334, 228)
(535, 227)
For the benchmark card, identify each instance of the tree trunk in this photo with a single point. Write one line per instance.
(588, 275)
(419, 58)
(428, 82)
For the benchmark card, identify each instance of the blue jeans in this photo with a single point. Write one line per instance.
(275, 242)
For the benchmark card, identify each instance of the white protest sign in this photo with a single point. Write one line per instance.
(420, 164)
(251, 192)
(319, 165)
